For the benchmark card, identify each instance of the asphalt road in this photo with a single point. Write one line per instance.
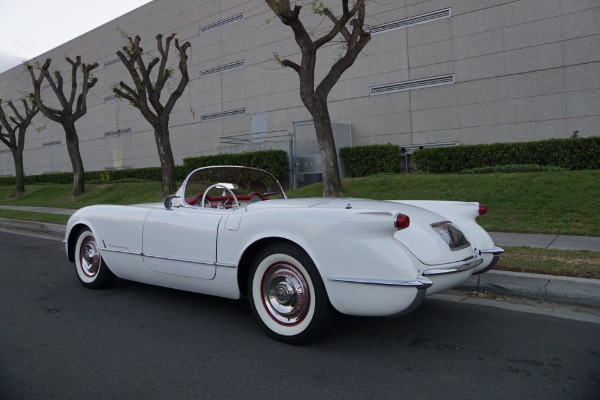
(59, 340)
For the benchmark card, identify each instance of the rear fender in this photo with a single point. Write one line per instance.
(462, 214)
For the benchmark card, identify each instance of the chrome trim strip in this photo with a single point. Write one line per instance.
(179, 259)
(133, 253)
(225, 265)
(213, 264)
(420, 283)
(472, 263)
(496, 251)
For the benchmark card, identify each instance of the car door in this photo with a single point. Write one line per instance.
(182, 241)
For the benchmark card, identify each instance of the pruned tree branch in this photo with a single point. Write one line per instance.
(145, 94)
(350, 26)
(14, 139)
(71, 109)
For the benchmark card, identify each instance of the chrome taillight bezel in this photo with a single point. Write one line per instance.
(450, 234)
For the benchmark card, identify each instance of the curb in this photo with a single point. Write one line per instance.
(544, 287)
(536, 286)
(34, 227)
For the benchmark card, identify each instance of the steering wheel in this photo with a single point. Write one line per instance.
(236, 203)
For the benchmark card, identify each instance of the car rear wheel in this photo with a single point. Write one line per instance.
(287, 295)
(91, 269)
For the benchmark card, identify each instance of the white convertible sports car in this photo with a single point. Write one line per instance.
(232, 232)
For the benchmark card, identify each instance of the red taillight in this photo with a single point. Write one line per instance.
(482, 209)
(402, 221)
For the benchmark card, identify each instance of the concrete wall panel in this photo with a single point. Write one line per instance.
(523, 70)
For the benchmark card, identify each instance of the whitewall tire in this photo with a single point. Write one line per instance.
(287, 295)
(92, 271)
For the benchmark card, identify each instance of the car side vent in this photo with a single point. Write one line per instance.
(417, 19)
(410, 85)
(224, 114)
(223, 22)
(222, 68)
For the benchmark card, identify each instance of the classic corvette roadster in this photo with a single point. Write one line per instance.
(232, 232)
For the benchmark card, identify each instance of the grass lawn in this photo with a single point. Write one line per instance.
(58, 195)
(539, 202)
(579, 264)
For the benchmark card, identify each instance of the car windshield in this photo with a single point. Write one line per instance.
(218, 184)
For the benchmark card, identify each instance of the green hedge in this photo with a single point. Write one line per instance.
(370, 160)
(274, 161)
(573, 154)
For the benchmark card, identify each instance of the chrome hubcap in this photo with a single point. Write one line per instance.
(286, 294)
(89, 257)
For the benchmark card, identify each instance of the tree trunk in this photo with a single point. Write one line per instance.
(332, 184)
(19, 170)
(76, 161)
(167, 162)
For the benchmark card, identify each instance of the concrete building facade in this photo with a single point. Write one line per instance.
(436, 72)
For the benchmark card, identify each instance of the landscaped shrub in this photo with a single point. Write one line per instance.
(274, 161)
(370, 160)
(119, 175)
(574, 153)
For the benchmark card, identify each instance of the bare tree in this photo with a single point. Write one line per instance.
(313, 95)
(70, 112)
(16, 126)
(145, 95)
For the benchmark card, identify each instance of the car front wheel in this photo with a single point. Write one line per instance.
(287, 295)
(92, 271)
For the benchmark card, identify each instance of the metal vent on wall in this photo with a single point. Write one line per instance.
(54, 143)
(112, 62)
(417, 19)
(224, 114)
(110, 98)
(414, 84)
(117, 132)
(223, 68)
(223, 22)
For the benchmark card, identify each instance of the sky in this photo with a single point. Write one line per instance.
(29, 28)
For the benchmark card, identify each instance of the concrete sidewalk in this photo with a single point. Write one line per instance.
(47, 210)
(558, 242)
(537, 286)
